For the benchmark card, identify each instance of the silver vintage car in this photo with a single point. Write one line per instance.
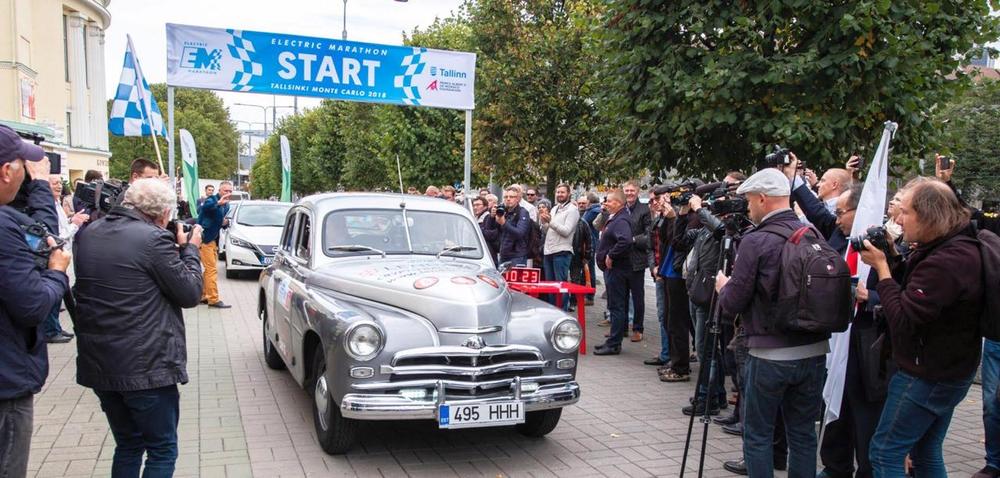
(385, 307)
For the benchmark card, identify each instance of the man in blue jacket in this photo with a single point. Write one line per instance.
(514, 224)
(614, 256)
(211, 217)
(28, 292)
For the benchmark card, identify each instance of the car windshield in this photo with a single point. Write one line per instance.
(262, 215)
(383, 230)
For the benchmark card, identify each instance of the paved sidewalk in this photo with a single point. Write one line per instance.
(626, 424)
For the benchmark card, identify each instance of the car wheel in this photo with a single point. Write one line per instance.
(271, 356)
(335, 433)
(540, 423)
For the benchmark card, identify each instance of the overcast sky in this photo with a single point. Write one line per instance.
(375, 21)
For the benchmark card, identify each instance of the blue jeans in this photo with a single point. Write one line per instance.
(796, 388)
(700, 316)
(991, 401)
(516, 261)
(661, 314)
(915, 420)
(50, 326)
(556, 268)
(143, 421)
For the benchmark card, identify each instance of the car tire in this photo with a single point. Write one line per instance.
(231, 274)
(540, 423)
(271, 356)
(335, 433)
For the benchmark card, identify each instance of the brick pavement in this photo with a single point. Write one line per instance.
(626, 424)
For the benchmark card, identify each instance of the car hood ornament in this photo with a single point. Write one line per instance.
(474, 342)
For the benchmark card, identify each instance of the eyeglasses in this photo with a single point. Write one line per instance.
(531, 194)
(841, 212)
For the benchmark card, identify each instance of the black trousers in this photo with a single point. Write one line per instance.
(678, 325)
(637, 290)
(847, 439)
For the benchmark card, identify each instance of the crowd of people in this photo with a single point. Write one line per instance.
(721, 288)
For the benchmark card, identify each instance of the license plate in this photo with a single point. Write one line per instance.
(456, 415)
(267, 261)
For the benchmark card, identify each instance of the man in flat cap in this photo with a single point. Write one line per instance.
(785, 370)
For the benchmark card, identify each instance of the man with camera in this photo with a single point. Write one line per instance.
(130, 328)
(932, 303)
(212, 218)
(785, 368)
(29, 289)
(514, 225)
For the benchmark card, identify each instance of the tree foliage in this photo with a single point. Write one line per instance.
(706, 85)
(202, 113)
(972, 126)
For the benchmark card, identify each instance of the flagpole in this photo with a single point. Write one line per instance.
(170, 128)
(147, 115)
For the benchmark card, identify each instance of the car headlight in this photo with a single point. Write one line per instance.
(363, 341)
(566, 336)
(236, 241)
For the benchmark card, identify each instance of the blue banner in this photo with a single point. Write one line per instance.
(274, 63)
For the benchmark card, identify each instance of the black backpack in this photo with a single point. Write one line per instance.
(814, 291)
(989, 249)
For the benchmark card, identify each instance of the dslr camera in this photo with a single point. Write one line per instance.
(501, 210)
(172, 226)
(877, 236)
(779, 157)
(37, 236)
(101, 195)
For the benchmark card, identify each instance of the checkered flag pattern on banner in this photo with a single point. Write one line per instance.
(242, 49)
(414, 66)
(129, 116)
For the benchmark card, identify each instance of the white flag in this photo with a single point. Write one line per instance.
(870, 211)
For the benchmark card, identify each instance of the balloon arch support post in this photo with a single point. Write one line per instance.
(292, 65)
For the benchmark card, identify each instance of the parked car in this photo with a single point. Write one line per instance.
(233, 206)
(389, 308)
(253, 234)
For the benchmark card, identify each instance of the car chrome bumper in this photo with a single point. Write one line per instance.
(397, 407)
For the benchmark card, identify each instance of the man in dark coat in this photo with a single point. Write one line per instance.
(130, 329)
(28, 292)
(514, 226)
(614, 256)
(641, 255)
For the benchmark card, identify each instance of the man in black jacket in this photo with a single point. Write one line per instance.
(641, 256)
(614, 257)
(130, 328)
(28, 292)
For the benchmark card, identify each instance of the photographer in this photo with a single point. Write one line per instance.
(28, 291)
(130, 328)
(785, 369)
(514, 224)
(932, 304)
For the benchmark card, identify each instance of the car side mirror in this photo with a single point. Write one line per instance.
(504, 267)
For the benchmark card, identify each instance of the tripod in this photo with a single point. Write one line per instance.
(713, 345)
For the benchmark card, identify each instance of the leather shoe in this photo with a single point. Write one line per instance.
(726, 420)
(781, 463)
(607, 350)
(220, 305)
(204, 301)
(698, 409)
(736, 466)
(654, 361)
(67, 334)
(58, 339)
(636, 337)
(734, 429)
(987, 472)
(604, 323)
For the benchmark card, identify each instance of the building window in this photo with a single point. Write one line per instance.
(66, 46)
(69, 129)
(86, 57)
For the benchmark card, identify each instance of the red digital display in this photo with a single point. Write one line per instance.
(526, 275)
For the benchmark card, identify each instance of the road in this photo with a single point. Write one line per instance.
(239, 418)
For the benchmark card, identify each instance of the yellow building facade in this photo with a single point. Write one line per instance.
(52, 81)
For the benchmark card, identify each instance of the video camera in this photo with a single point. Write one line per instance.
(724, 200)
(679, 194)
(101, 195)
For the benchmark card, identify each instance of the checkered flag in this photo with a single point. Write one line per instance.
(414, 66)
(242, 49)
(134, 111)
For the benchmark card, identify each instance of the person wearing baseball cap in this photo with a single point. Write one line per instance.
(793, 362)
(28, 292)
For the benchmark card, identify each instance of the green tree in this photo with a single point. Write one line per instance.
(706, 85)
(199, 111)
(972, 126)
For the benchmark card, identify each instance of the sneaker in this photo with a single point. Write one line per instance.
(607, 350)
(734, 429)
(670, 375)
(220, 305)
(654, 361)
(699, 410)
(604, 323)
(726, 420)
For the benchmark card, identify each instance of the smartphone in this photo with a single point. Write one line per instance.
(945, 162)
(55, 163)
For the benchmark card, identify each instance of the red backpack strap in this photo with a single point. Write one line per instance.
(797, 236)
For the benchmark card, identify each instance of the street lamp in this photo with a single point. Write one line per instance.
(262, 109)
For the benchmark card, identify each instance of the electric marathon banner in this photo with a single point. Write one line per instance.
(274, 63)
